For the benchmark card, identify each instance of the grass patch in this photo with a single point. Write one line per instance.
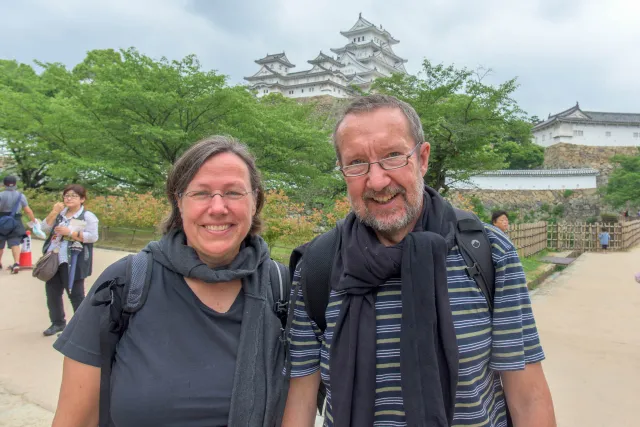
(533, 266)
(281, 253)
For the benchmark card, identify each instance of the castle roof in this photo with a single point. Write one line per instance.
(576, 115)
(362, 25)
(543, 172)
(325, 58)
(277, 57)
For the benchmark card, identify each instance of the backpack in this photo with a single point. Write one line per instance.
(9, 222)
(125, 296)
(470, 235)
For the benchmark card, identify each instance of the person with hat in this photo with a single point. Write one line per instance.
(13, 238)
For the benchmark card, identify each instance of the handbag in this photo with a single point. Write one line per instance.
(47, 266)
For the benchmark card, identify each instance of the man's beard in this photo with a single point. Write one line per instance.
(413, 208)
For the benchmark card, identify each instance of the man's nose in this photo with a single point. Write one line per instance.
(378, 178)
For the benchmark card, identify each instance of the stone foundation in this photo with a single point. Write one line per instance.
(571, 156)
(577, 206)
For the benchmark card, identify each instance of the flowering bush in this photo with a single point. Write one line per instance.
(129, 210)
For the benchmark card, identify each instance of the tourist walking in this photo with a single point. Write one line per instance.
(12, 231)
(405, 336)
(72, 230)
(204, 346)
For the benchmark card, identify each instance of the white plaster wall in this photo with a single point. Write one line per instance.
(592, 135)
(529, 183)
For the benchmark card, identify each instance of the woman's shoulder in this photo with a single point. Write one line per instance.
(90, 215)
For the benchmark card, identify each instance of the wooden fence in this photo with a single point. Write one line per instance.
(530, 239)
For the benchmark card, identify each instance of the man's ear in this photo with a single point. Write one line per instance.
(423, 153)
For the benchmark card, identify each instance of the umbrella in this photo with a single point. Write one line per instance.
(76, 248)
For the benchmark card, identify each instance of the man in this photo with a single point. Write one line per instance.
(409, 338)
(501, 220)
(8, 199)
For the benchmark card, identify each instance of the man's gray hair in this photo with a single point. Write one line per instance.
(369, 103)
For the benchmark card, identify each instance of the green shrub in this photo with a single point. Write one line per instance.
(609, 217)
(558, 210)
(567, 193)
(545, 207)
(592, 220)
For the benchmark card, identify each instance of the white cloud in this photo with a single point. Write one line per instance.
(561, 51)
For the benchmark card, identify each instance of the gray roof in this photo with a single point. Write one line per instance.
(542, 172)
(593, 117)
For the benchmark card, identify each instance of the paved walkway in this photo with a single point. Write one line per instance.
(588, 316)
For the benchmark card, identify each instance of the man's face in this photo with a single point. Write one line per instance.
(389, 201)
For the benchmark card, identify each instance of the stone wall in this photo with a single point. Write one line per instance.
(570, 156)
(579, 205)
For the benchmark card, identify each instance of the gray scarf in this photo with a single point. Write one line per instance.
(259, 388)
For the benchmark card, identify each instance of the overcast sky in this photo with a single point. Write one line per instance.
(562, 51)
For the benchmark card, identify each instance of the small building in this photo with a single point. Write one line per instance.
(589, 128)
(367, 55)
(543, 179)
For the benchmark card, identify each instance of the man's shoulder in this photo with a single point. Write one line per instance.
(498, 238)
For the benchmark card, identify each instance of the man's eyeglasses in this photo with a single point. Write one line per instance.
(388, 163)
(70, 196)
(205, 196)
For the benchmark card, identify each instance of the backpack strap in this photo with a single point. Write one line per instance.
(281, 288)
(316, 279)
(123, 297)
(16, 205)
(475, 248)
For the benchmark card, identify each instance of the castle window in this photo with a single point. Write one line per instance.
(636, 134)
(578, 133)
(543, 137)
(607, 133)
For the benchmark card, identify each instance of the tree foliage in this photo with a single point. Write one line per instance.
(623, 188)
(119, 119)
(463, 118)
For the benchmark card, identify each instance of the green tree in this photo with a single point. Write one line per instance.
(623, 187)
(24, 96)
(462, 118)
(119, 119)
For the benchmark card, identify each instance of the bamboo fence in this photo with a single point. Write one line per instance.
(530, 238)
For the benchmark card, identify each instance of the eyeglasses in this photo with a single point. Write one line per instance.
(205, 196)
(70, 196)
(388, 163)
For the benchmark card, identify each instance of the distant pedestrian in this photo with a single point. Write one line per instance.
(604, 239)
(12, 231)
(68, 224)
(501, 220)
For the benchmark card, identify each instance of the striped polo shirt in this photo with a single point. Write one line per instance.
(487, 344)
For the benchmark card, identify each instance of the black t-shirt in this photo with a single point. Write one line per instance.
(175, 363)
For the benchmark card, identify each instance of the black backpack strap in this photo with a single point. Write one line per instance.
(316, 277)
(475, 248)
(281, 288)
(122, 296)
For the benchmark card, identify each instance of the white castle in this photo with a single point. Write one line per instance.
(366, 56)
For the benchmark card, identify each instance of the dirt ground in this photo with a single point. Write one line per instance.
(588, 317)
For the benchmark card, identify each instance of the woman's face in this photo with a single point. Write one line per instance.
(72, 200)
(215, 227)
(502, 222)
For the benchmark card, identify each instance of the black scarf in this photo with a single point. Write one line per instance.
(428, 346)
(173, 252)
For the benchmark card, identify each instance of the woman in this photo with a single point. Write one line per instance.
(72, 232)
(204, 350)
